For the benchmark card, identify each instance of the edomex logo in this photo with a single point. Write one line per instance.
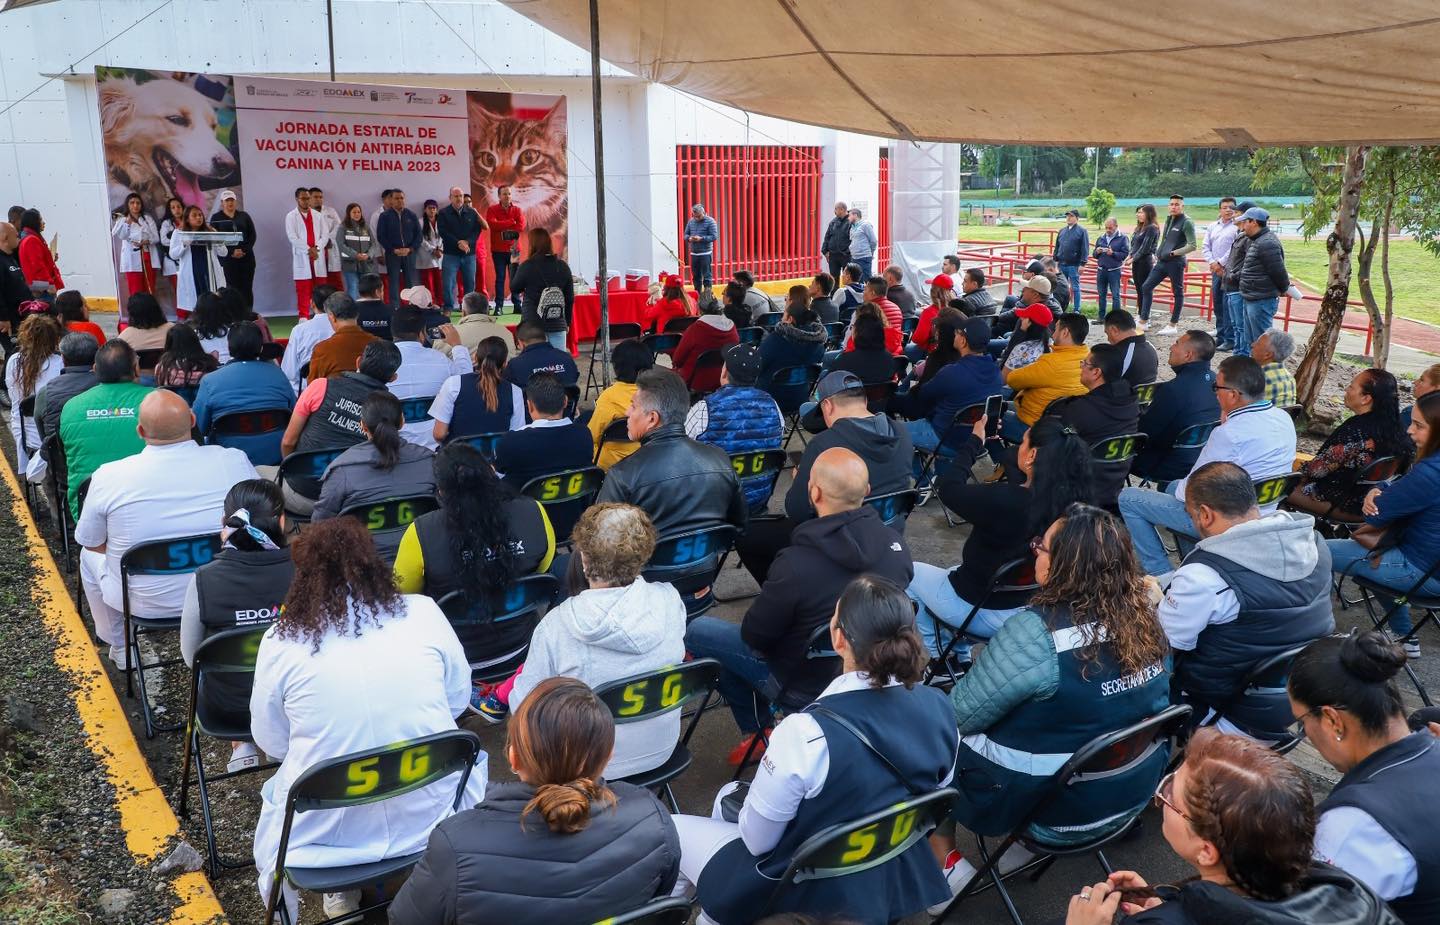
(97, 414)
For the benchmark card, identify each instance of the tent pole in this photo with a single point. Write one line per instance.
(330, 34)
(604, 278)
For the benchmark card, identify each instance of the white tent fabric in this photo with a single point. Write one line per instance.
(1223, 73)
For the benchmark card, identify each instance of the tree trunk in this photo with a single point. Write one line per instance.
(1310, 377)
(1363, 265)
(1385, 332)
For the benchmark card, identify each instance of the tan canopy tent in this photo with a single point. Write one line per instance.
(1224, 73)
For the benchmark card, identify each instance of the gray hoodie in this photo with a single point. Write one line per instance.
(1279, 545)
(606, 634)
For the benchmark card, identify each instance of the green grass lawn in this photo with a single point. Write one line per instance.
(1414, 271)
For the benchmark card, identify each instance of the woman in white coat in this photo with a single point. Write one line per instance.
(309, 234)
(352, 664)
(200, 269)
(139, 245)
(170, 223)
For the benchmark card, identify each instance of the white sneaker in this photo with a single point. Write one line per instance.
(339, 904)
(1412, 650)
(245, 755)
(120, 656)
(1168, 330)
(959, 875)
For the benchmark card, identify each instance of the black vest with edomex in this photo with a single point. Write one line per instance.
(240, 588)
(336, 423)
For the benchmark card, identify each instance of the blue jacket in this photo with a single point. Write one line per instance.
(787, 345)
(1183, 402)
(966, 381)
(397, 229)
(707, 230)
(1121, 245)
(741, 419)
(541, 357)
(456, 225)
(1072, 245)
(245, 385)
(1414, 501)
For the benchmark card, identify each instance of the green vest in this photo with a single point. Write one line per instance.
(98, 426)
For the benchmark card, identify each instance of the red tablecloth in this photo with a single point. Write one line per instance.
(624, 306)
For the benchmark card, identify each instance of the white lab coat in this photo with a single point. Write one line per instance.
(300, 266)
(185, 294)
(167, 229)
(130, 234)
(404, 679)
(332, 234)
(48, 370)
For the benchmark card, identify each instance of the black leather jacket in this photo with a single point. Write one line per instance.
(683, 485)
(1329, 896)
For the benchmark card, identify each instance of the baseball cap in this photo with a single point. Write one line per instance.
(1243, 205)
(977, 333)
(227, 194)
(942, 280)
(1034, 266)
(417, 296)
(1037, 312)
(742, 363)
(833, 383)
(1257, 214)
(1074, 212)
(1039, 283)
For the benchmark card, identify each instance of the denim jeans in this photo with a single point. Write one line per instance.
(502, 266)
(1220, 307)
(1071, 271)
(864, 263)
(1144, 510)
(924, 438)
(1012, 428)
(1392, 570)
(700, 273)
(352, 283)
(936, 597)
(450, 266)
(1258, 317)
(1235, 319)
(711, 637)
(1107, 280)
(1173, 270)
(558, 339)
(402, 274)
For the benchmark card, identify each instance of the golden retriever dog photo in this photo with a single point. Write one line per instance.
(159, 139)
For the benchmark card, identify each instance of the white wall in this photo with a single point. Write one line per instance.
(50, 153)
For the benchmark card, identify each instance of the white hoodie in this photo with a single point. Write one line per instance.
(606, 634)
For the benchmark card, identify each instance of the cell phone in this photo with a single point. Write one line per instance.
(994, 408)
(509, 235)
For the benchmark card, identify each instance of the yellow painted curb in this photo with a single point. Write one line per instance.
(102, 304)
(145, 814)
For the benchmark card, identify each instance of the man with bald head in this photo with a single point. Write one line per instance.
(766, 650)
(172, 488)
(13, 288)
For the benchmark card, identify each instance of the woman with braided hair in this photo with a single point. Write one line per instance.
(352, 664)
(558, 845)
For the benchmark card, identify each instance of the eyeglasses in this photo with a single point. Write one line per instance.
(1037, 546)
(1165, 795)
(1297, 728)
(1217, 387)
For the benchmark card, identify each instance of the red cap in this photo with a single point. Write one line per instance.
(1037, 312)
(942, 280)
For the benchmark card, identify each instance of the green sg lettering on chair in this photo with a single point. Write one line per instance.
(366, 775)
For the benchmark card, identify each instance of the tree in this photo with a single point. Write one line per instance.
(1098, 206)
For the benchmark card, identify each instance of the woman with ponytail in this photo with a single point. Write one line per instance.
(1376, 825)
(243, 585)
(28, 369)
(384, 466)
(560, 844)
(873, 738)
(481, 402)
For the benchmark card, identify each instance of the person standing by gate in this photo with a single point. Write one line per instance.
(862, 244)
(506, 221)
(1072, 251)
(460, 226)
(700, 235)
(1177, 239)
(835, 245)
(1218, 239)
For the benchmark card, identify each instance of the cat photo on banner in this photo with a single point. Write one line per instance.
(518, 140)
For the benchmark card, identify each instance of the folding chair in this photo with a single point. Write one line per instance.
(572, 401)
(485, 627)
(902, 367)
(786, 698)
(358, 779)
(1145, 394)
(390, 517)
(301, 473)
(865, 843)
(485, 443)
(751, 335)
(617, 431)
(1429, 603)
(791, 386)
(1193, 437)
(769, 320)
(752, 466)
(1276, 488)
(1111, 754)
(58, 483)
(565, 496)
(835, 331)
(965, 417)
(148, 358)
(705, 374)
(661, 343)
(237, 430)
(655, 693)
(878, 395)
(229, 654)
(908, 325)
(678, 325)
(690, 562)
(1379, 472)
(1263, 683)
(895, 507)
(660, 912)
(622, 330)
(169, 558)
(1118, 451)
(416, 410)
(1014, 577)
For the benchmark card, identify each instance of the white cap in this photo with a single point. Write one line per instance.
(227, 194)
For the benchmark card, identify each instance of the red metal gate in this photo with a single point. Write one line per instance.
(882, 213)
(766, 201)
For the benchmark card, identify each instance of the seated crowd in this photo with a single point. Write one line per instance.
(387, 485)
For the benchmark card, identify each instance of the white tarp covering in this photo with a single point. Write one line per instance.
(1224, 73)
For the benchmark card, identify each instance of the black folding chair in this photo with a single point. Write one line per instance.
(908, 325)
(902, 367)
(230, 655)
(751, 335)
(565, 496)
(238, 430)
(1118, 451)
(478, 626)
(1263, 683)
(27, 410)
(679, 325)
(1380, 471)
(301, 473)
(835, 335)
(791, 386)
(674, 911)
(1145, 394)
(386, 519)
(58, 483)
(1370, 591)
(1111, 754)
(786, 698)
(148, 358)
(1014, 577)
(655, 693)
(895, 507)
(661, 343)
(622, 330)
(690, 562)
(358, 779)
(572, 401)
(866, 843)
(751, 467)
(168, 558)
(1193, 437)
(769, 320)
(617, 431)
(878, 395)
(485, 443)
(1277, 488)
(965, 417)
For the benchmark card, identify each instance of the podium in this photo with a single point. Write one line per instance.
(210, 240)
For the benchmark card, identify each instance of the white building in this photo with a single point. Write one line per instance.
(50, 153)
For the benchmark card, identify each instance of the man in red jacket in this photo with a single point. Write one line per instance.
(506, 221)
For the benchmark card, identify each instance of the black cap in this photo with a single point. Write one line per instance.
(742, 363)
(837, 381)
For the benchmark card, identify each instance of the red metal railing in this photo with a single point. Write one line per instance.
(882, 213)
(765, 200)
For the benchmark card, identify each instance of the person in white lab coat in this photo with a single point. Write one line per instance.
(139, 250)
(352, 664)
(308, 232)
(199, 266)
(332, 237)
